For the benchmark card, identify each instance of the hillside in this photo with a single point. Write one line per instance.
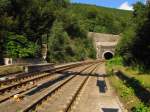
(102, 19)
(63, 26)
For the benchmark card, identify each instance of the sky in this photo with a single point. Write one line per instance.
(119, 4)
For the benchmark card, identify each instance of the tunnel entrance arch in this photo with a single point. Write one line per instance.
(107, 55)
(105, 44)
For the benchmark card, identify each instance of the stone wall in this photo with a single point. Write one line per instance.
(104, 43)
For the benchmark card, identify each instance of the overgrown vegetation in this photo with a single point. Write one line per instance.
(26, 24)
(126, 92)
(135, 44)
(133, 61)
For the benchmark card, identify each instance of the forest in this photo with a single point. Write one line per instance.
(102, 19)
(62, 25)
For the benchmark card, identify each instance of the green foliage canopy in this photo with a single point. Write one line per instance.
(101, 19)
(25, 24)
(135, 43)
(18, 46)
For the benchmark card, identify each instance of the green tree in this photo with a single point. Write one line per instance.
(135, 44)
(59, 43)
(142, 40)
(124, 46)
(17, 46)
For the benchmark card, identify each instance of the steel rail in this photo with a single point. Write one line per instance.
(33, 105)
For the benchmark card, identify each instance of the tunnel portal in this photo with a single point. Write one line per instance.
(105, 44)
(108, 55)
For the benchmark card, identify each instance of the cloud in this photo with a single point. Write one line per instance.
(125, 6)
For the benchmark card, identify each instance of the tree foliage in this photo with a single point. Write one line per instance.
(101, 19)
(135, 44)
(59, 44)
(19, 46)
(26, 24)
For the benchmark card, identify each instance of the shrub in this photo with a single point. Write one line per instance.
(140, 108)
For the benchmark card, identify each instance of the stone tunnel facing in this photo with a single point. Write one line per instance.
(108, 55)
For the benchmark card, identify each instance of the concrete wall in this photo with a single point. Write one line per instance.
(10, 61)
(38, 67)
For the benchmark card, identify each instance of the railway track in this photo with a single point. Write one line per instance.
(8, 94)
(24, 79)
(18, 78)
(11, 74)
(28, 84)
(68, 90)
(23, 76)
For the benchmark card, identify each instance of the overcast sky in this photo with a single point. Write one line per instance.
(120, 4)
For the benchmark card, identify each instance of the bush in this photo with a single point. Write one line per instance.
(140, 108)
(18, 46)
(115, 61)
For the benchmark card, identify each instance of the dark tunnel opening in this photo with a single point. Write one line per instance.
(108, 55)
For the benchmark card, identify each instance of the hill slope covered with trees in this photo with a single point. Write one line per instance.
(102, 19)
(26, 24)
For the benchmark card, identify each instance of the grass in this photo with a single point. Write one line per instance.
(143, 78)
(127, 94)
(10, 69)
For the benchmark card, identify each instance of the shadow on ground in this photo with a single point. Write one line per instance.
(109, 110)
(141, 92)
(47, 84)
(102, 86)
